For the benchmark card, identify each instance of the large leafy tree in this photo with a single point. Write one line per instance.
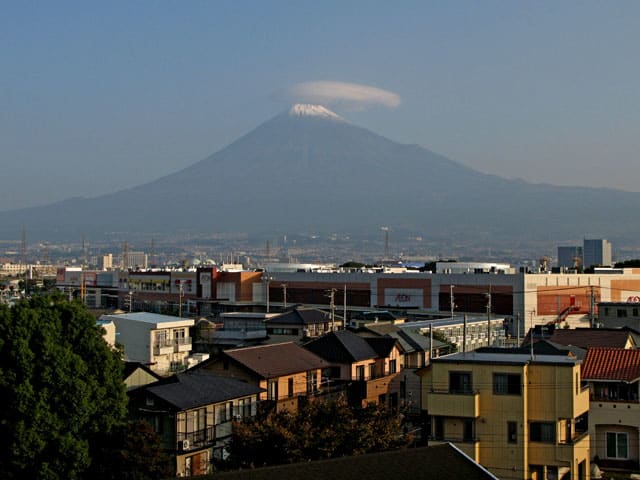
(61, 389)
(315, 431)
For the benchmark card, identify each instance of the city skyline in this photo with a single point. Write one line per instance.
(97, 98)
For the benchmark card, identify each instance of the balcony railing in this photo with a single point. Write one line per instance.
(172, 342)
(197, 439)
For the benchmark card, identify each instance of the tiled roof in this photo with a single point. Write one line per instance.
(585, 337)
(426, 463)
(301, 316)
(611, 364)
(591, 337)
(197, 388)
(276, 360)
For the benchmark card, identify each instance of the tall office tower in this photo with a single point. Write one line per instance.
(597, 252)
(570, 256)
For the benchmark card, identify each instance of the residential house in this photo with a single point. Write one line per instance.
(613, 375)
(300, 323)
(193, 413)
(372, 365)
(586, 337)
(426, 463)
(138, 375)
(520, 416)
(287, 372)
(417, 351)
(160, 341)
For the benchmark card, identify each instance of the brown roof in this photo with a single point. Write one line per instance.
(276, 360)
(427, 463)
(591, 337)
(611, 364)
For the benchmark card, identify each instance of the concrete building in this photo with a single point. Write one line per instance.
(521, 298)
(519, 416)
(597, 252)
(620, 314)
(161, 342)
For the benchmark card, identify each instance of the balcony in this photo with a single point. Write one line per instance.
(172, 345)
(198, 439)
(443, 403)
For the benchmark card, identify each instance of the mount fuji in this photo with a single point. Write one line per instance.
(308, 169)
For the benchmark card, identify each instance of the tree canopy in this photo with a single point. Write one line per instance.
(61, 389)
(317, 430)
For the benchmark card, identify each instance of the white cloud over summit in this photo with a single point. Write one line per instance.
(348, 95)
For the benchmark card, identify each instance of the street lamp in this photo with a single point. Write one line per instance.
(130, 301)
(180, 288)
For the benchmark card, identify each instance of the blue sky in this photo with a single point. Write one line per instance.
(99, 96)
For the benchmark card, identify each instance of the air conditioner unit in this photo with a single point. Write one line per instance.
(184, 445)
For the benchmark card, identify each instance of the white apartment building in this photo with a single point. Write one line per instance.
(160, 341)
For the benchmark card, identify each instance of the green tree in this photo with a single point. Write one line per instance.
(317, 430)
(131, 452)
(61, 389)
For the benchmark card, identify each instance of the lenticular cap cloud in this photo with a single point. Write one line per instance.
(350, 94)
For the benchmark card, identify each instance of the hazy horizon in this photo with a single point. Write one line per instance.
(99, 97)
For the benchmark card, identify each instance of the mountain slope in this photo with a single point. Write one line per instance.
(308, 169)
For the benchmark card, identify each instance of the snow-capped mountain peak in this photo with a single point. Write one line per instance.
(308, 110)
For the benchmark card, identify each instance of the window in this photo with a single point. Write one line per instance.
(460, 382)
(506, 384)
(621, 313)
(542, 432)
(290, 387)
(617, 445)
(392, 366)
(360, 372)
(512, 432)
(312, 382)
(272, 390)
(468, 430)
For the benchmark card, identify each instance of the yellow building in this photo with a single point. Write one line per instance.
(520, 416)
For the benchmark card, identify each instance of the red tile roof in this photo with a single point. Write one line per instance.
(611, 364)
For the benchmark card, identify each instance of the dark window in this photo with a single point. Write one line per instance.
(392, 366)
(360, 372)
(512, 432)
(617, 445)
(290, 387)
(542, 432)
(468, 430)
(506, 384)
(460, 382)
(621, 313)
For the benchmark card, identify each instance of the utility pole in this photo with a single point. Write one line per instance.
(451, 299)
(592, 301)
(532, 313)
(331, 293)
(284, 295)
(344, 308)
(488, 295)
(518, 327)
(181, 290)
(464, 333)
